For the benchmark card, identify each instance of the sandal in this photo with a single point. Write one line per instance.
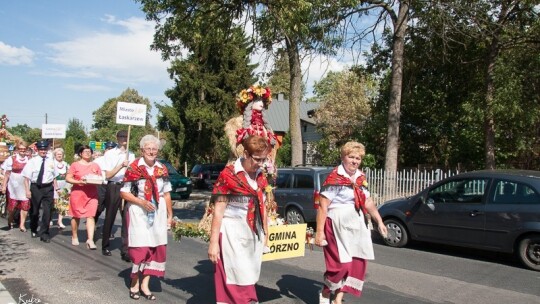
(149, 296)
(134, 295)
(22, 229)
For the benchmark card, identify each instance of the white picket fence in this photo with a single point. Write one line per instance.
(401, 183)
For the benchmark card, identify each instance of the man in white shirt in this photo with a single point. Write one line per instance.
(39, 185)
(116, 160)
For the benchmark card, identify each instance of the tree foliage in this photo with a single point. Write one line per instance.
(28, 134)
(69, 149)
(299, 27)
(497, 28)
(207, 82)
(443, 118)
(75, 129)
(345, 106)
(283, 156)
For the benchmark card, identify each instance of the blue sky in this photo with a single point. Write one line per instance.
(64, 59)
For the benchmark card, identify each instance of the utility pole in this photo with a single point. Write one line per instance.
(46, 118)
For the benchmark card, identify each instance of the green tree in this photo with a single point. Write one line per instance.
(76, 130)
(444, 85)
(283, 156)
(105, 120)
(279, 77)
(299, 27)
(497, 27)
(203, 99)
(29, 135)
(345, 106)
(69, 149)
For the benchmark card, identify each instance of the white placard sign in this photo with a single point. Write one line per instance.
(53, 131)
(131, 114)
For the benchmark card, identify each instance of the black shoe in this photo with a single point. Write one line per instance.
(125, 257)
(106, 252)
(34, 235)
(45, 240)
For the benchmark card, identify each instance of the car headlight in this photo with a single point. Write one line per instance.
(188, 182)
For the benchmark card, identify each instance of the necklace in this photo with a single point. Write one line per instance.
(60, 165)
(22, 160)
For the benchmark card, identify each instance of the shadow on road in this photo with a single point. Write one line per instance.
(460, 252)
(201, 286)
(292, 286)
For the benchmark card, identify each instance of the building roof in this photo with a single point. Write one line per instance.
(278, 113)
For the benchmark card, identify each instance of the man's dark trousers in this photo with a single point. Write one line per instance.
(42, 197)
(113, 203)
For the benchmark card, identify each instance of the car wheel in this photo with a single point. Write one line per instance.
(529, 252)
(397, 234)
(294, 216)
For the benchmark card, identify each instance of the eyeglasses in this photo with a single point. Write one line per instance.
(259, 160)
(86, 151)
(151, 150)
(22, 149)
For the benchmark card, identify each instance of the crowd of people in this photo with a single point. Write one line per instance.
(140, 189)
(115, 181)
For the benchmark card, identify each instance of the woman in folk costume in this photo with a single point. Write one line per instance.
(341, 226)
(238, 224)
(14, 185)
(149, 210)
(61, 167)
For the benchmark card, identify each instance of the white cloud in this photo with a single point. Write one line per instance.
(10, 55)
(123, 57)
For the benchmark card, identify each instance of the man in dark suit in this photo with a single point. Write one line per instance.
(40, 184)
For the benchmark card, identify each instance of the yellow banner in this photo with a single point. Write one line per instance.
(286, 241)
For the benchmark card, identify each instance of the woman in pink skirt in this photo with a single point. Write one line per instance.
(83, 197)
(341, 226)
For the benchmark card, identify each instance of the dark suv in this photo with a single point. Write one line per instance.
(203, 176)
(297, 192)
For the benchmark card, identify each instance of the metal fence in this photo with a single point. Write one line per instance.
(386, 186)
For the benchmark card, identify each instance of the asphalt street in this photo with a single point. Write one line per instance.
(61, 273)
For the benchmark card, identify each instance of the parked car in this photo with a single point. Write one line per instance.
(495, 210)
(297, 192)
(181, 185)
(203, 176)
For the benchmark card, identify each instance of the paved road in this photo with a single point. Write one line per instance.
(61, 273)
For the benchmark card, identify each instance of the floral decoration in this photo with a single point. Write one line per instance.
(252, 93)
(61, 205)
(180, 229)
(3, 121)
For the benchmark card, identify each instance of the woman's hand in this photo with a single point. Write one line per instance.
(213, 252)
(320, 239)
(148, 206)
(382, 230)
